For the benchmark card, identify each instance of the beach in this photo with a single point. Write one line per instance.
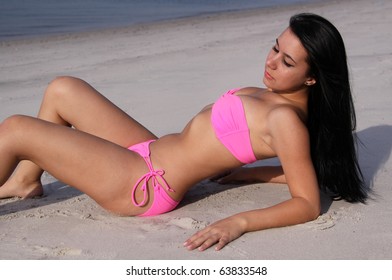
(162, 74)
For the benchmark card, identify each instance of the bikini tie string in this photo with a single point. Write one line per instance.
(152, 175)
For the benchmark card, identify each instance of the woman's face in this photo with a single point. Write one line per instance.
(286, 67)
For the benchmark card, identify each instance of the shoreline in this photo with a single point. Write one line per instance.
(133, 27)
(162, 74)
(158, 21)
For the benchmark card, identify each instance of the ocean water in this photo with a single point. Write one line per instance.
(29, 18)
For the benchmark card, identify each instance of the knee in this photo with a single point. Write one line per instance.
(13, 124)
(61, 87)
(14, 121)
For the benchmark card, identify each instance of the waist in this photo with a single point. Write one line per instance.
(188, 159)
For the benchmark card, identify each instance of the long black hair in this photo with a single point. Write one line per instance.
(331, 119)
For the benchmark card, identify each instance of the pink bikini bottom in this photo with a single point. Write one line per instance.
(162, 201)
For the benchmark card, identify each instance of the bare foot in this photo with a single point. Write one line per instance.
(20, 188)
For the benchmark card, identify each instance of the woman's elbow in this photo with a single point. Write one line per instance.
(313, 210)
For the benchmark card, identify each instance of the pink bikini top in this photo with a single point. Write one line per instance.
(229, 122)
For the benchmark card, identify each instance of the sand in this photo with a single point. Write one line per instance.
(164, 73)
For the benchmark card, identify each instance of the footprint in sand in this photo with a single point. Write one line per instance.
(327, 220)
(57, 251)
(322, 223)
(187, 223)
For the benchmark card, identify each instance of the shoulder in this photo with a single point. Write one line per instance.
(250, 90)
(286, 126)
(282, 113)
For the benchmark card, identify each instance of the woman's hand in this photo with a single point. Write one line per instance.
(220, 233)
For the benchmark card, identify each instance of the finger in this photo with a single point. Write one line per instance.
(208, 243)
(202, 241)
(194, 244)
(195, 241)
(222, 243)
(190, 245)
(196, 236)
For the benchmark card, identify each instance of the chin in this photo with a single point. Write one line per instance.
(266, 83)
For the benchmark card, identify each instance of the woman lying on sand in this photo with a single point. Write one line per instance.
(305, 117)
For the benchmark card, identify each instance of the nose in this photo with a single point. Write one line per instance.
(271, 60)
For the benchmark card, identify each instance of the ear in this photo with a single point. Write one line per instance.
(310, 81)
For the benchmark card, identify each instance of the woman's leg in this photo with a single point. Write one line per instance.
(103, 170)
(72, 102)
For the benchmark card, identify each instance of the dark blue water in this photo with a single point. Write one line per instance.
(28, 18)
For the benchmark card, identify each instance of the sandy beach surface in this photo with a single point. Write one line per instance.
(164, 73)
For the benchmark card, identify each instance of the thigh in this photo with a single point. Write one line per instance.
(80, 105)
(103, 170)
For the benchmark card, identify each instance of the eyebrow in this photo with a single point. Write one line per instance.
(277, 43)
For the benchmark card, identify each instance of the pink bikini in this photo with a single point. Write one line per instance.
(230, 126)
(229, 123)
(162, 201)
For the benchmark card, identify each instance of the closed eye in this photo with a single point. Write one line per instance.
(275, 49)
(287, 64)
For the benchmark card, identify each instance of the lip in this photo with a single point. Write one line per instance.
(267, 75)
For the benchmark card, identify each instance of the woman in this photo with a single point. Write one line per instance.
(305, 117)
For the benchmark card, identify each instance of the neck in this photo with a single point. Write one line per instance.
(298, 98)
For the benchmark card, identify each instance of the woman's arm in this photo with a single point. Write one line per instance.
(290, 212)
(290, 141)
(262, 174)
